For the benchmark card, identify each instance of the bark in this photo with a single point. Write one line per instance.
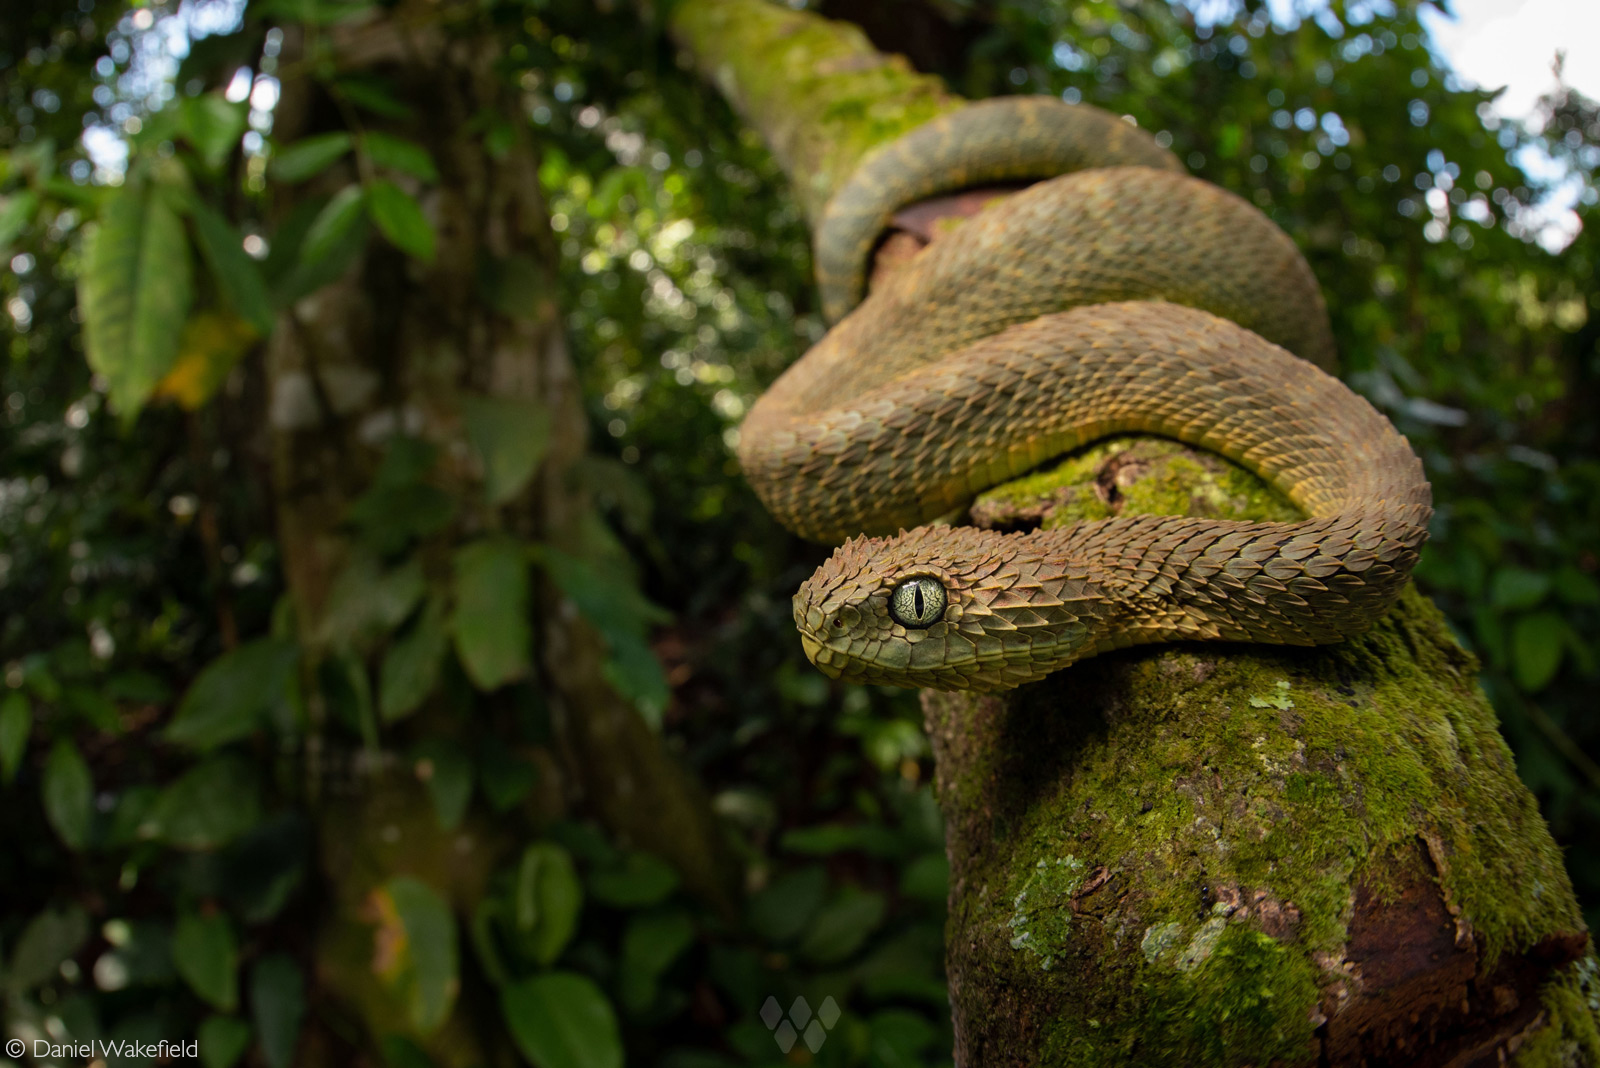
(391, 347)
(1216, 855)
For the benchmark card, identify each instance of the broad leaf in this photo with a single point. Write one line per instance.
(511, 437)
(308, 157)
(50, 938)
(400, 219)
(16, 212)
(548, 899)
(278, 1004)
(207, 956)
(366, 601)
(233, 693)
(223, 1040)
(616, 608)
(68, 794)
(212, 343)
(16, 723)
(213, 125)
(446, 770)
(842, 926)
(493, 635)
(562, 1020)
(411, 665)
(134, 291)
(398, 154)
(650, 945)
(236, 273)
(334, 226)
(1537, 642)
(1518, 587)
(781, 911)
(635, 880)
(208, 806)
(420, 960)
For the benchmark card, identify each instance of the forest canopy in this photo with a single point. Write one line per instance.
(298, 755)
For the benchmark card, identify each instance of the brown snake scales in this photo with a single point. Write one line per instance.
(1122, 297)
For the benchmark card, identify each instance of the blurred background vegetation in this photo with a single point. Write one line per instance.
(166, 830)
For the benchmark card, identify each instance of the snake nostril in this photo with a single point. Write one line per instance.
(838, 622)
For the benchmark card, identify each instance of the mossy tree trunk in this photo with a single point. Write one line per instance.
(1201, 854)
(392, 348)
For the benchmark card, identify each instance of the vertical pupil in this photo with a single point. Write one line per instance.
(918, 602)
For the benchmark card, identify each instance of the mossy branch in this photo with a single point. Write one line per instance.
(816, 90)
(1205, 854)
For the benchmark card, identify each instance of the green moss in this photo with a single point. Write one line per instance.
(818, 92)
(1132, 476)
(1236, 795)
(1572, 1037)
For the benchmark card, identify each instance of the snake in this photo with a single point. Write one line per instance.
(1114, 294)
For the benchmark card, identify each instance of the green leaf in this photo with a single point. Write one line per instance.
(16, 724)
(134, 291)
(236, 273)
(208, 806)
(366, 601)
(213, 125)
(842, 926)
(374, 95)
(278, 1004)
(493, 635)
(927, 878)
(400, 219)
(68, 794)
(398, 154)
(308, 157)
(1575, 587)
(232, 695)
(1537, 642)
(638, 879)
(780, 911)
(16, 213)
(622, 615)
(223, 1040)
(334, 225)
(400, 1052)
(426, 970)
(506, 777)
(562, 1020)
(207, 956)
(511, 437)
(1518, 587)
(548, 900)
(50, 938)
(446, 770)
(652, 942)
(410, 669)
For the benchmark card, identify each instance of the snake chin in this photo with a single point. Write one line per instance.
(1011, 613)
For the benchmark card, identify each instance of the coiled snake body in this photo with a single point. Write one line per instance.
(1122, 297)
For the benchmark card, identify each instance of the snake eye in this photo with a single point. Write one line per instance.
(918, 602)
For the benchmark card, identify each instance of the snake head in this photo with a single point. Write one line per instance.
(945, 608)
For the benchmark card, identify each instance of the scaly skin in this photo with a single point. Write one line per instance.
(1087, 305)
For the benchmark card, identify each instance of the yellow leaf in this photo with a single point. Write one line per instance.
(211, 344)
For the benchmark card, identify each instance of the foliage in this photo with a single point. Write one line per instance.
(160, 698)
